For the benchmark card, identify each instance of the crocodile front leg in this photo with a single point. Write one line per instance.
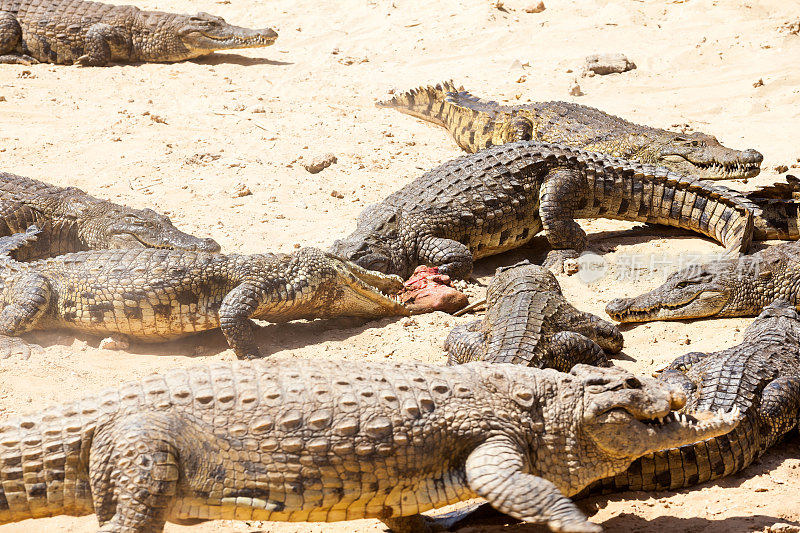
(234, 320)
(496, 471)
(134, 473)
(562, 194)
(98, 44)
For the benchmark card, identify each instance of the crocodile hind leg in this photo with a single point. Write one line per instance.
(11, 41)
(568, 348)
(780, 406)
(25, 299)
(496, 471)
(521, 129)
(562, 195)
(465, 343)
(134, 475)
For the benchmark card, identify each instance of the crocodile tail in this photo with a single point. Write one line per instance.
(777, 212)
(788, 190)
(9, 243)
(426, 103)
(44, 463)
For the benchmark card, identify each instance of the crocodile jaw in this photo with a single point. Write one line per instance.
(654, 306)
(366, 293)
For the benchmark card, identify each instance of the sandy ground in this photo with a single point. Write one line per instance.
(179, 138)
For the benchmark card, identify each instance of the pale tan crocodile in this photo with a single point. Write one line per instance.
(305, 440)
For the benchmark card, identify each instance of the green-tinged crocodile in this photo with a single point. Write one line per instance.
(760, 377)
(96, 34)
(153, 294)
(528, 321)
(499, 198)
(476, 124)
(307, 440)
(70, 221)
(724, 288)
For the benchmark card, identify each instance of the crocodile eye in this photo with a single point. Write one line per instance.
(595, 389)
(633, 383)
(695, 143)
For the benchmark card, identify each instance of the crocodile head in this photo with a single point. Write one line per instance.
(179, 37)
(208, 33)
(343, 288)
(135, 228)
(705, 157)
(625, 417)
(719, 288)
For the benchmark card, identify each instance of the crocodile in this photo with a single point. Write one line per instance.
(70, 220)
(499, 198)
(723, 288)
(760, 377)
(528, 321)
(476, 124)
(96, 34)
(152, 294)
(325, 441)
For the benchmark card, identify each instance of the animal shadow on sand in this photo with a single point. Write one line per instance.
(237, 59)
(271, 337)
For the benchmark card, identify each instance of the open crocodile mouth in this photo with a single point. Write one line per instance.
(730, 170)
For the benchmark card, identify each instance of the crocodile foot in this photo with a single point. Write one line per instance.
(555, 259)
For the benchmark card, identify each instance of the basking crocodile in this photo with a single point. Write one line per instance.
(96, 34)
(476, 124)
(528, 321)
(760, 377)
(152, 294)
(724, 288)
(306, 440)
(498, 199)
(70, 221)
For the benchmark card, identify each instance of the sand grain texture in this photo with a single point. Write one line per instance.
(180, 137)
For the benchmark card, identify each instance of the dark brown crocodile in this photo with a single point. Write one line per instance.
(498, 199)
(528, 321)
(96, 34)
(323, 441)
(476, 124)
(153, 295)
(71, 221)
(724, 288)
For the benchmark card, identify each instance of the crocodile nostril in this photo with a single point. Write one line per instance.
(677, 399)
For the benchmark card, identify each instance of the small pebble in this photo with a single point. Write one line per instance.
(239, 190)
(759, 83)
(535, 8)
(575, 89)
(603, 64)
(320, 163)
(780, 169)
(337, 194)
(114, 342)
(571, 266)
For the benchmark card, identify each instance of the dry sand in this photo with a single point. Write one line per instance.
(179, 138)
